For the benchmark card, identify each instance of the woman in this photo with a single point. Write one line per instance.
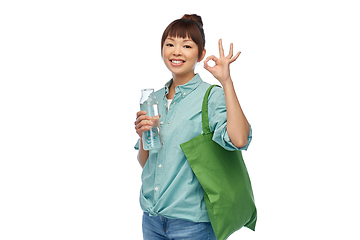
(171, 196)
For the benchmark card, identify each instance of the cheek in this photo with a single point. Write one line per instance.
(196, 56)
(164, 52)
(164, 57)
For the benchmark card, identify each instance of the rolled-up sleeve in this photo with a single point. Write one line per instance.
(137, 145)
(231, 146)
(218, 121)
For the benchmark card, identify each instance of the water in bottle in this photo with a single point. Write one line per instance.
(148, 102)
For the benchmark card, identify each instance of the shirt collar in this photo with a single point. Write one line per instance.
(187, 88)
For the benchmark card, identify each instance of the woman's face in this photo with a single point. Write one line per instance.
(180, 55)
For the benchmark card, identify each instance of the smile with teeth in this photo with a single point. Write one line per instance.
(177, 62)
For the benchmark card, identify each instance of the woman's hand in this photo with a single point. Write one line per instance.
(221, 70)
(144, 122)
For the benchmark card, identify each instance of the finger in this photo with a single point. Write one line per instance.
(221, 49)
(139, 131)
(231, 52)
(139, 113)
(142, 128)
(212, 57)
(142, 118)
(234, 58)
(144, 123)
(206, 65)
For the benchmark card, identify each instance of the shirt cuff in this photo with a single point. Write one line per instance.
(137, 145)
(228, 141)
(228, 145)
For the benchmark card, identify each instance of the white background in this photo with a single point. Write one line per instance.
(71, 74)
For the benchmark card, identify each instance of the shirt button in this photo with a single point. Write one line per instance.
(160, 165)
(161, 122)
(184, 94)
(156, 188)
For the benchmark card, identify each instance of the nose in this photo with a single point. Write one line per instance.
(177, 51)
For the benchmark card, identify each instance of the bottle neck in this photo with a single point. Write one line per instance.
(147, 95)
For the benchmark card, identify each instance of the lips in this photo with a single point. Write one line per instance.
(177, 62)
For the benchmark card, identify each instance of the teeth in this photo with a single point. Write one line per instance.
(177, 62)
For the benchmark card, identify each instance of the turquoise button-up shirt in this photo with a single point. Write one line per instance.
(169, 186)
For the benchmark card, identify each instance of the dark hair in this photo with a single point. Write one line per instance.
(189, 26)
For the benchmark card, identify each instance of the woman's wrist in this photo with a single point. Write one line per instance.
(227, 83)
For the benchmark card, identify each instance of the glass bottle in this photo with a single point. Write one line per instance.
(149, 103)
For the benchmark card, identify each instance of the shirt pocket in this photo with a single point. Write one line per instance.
(187, 130)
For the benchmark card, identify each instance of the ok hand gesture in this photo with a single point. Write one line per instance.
(221, 70)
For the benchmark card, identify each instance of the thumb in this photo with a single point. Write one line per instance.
(207, 67)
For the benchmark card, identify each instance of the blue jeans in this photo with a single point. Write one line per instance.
(157, 228)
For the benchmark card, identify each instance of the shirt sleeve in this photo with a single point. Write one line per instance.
(137, 145)
(218, 121)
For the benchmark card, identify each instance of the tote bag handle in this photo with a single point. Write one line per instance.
(205, 116)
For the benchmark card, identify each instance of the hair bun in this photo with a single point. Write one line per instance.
(193, 17)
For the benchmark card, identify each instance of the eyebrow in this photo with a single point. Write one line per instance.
(186, 40)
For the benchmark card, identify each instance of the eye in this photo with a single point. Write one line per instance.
(169, 45)
(187, 46)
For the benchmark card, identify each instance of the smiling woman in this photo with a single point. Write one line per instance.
(170, 190)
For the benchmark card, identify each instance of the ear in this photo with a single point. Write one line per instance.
(202, 55)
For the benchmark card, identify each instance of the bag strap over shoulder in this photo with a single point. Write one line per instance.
(205, 116)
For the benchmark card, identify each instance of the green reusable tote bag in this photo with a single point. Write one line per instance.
(223, 176)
